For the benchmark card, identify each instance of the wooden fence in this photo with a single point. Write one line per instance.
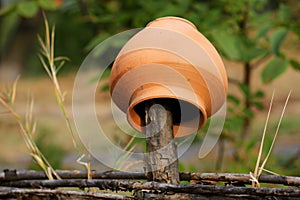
(26, 184)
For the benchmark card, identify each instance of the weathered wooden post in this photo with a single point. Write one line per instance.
(168, 79)
(161, 148)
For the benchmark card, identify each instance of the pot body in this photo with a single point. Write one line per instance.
(169, 60)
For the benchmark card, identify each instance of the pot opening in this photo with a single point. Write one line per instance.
(182, 111)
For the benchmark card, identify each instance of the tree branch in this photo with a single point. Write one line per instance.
(116, 185)
(13, 175)
(7, 192)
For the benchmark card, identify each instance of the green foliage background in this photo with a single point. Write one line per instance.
(249, 32)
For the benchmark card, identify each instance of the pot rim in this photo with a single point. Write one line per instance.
(172, 18)
(200, 107)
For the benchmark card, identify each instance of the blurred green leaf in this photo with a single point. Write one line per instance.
(233, 124)
(7, 9)
(259, 94)
(27, 8)
(121, 41)
(245, 89)
(295, 64)
(277, 38)
(97, 40)
(258, 105)
(251, 143)
(105, 88)
(48, 4)
(230, 110)
(10, 22)
(248, 113)
(253, 53)
(235, 100)
(262, 32)
(284, 13)
(106, 73)
(273, 69)
(171, 10)
(113, 6)
(229, 44)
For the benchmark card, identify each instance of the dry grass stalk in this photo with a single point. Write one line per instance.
(49, 62)
(276, 133)
(87, 165)
(258, 169)
(27, 125)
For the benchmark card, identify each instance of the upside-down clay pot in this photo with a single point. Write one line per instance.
(169, 60)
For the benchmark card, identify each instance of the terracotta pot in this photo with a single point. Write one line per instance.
(169, 60)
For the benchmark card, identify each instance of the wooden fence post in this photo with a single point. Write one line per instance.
(161, 148)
